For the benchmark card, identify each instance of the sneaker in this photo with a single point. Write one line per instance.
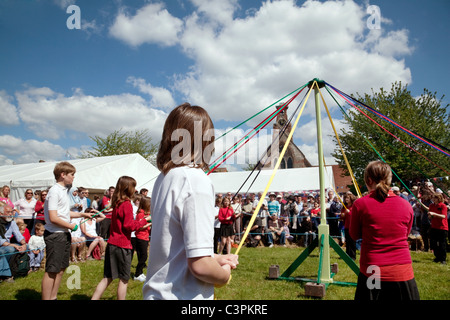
(271, 245)
(140, 278)
(9, 280)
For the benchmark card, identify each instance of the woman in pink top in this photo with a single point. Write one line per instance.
(383, 221)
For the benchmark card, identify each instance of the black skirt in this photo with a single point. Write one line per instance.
(226, 230)
(387, 291)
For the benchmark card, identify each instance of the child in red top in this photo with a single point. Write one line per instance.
(118, 251)
(142, 238)
(383, 221)
(226, 218)
(346, 215)
(439, 228)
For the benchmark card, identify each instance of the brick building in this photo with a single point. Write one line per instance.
(293, 157)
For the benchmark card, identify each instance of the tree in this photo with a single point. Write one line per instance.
(119, 142)
(248, 166)
(411, 159)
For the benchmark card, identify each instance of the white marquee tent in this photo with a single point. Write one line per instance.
(96, 174)
(285, 180)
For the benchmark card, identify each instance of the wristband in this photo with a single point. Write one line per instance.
(75, 228)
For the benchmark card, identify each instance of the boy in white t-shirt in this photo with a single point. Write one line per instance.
(57, 229)
(182, 264)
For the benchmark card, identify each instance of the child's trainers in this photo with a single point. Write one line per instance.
(140, 278)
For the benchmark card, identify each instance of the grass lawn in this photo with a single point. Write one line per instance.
(250, 280)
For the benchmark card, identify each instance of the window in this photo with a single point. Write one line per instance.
(290, 163)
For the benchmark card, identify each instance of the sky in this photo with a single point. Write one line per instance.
(71, 73)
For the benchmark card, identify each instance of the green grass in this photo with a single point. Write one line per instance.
(250, 280)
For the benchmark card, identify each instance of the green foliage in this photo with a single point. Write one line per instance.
(412, 159)
(127, 142)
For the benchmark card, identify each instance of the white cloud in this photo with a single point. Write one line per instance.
(151, 24)
(51, 115)
(306, 135)
(160, 97)
(63, 4)
(5, 161)
(247, 64)
(240, 66)
(217, 12)
(8, 110)
(395, 43)
(26, 151)
(91, 27)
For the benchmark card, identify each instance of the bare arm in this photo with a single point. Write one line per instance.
(207, 269)
(215, 270)
(437, 215)
(53, 216)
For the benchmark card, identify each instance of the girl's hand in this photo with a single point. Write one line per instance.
(228, 259)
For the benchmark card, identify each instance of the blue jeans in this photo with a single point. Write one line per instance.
(282, 237)
(5, 256)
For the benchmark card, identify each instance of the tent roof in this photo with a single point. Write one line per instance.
(285, 180)
(94, 173)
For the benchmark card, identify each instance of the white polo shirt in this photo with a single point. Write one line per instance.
(182, 227)
(57, 199)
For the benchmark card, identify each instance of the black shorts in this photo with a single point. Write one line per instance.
(117, 263)
(57, 250)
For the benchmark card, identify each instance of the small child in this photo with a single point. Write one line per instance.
(285, 222)
(24, 230)
(78, 243)
(118, 254)
(226, 218)
(36, 246)
(142, 238)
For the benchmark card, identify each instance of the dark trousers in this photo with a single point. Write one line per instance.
(425, 234)
(438, 243)
(141, 247)
(350, 245)
(216, 239)
(105, 225)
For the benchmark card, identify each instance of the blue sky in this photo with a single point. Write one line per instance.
(133, 61)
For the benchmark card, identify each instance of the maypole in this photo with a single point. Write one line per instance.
(277, 165)
(324, 233)
(324, 241)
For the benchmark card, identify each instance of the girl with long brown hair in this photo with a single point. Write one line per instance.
(118, 250)
(182, 264)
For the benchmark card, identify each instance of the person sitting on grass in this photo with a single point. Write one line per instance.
(89, 232)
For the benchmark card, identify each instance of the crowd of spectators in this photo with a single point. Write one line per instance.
(292, 219)
(22, 226)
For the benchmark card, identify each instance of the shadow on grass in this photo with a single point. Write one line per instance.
(28, 294)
